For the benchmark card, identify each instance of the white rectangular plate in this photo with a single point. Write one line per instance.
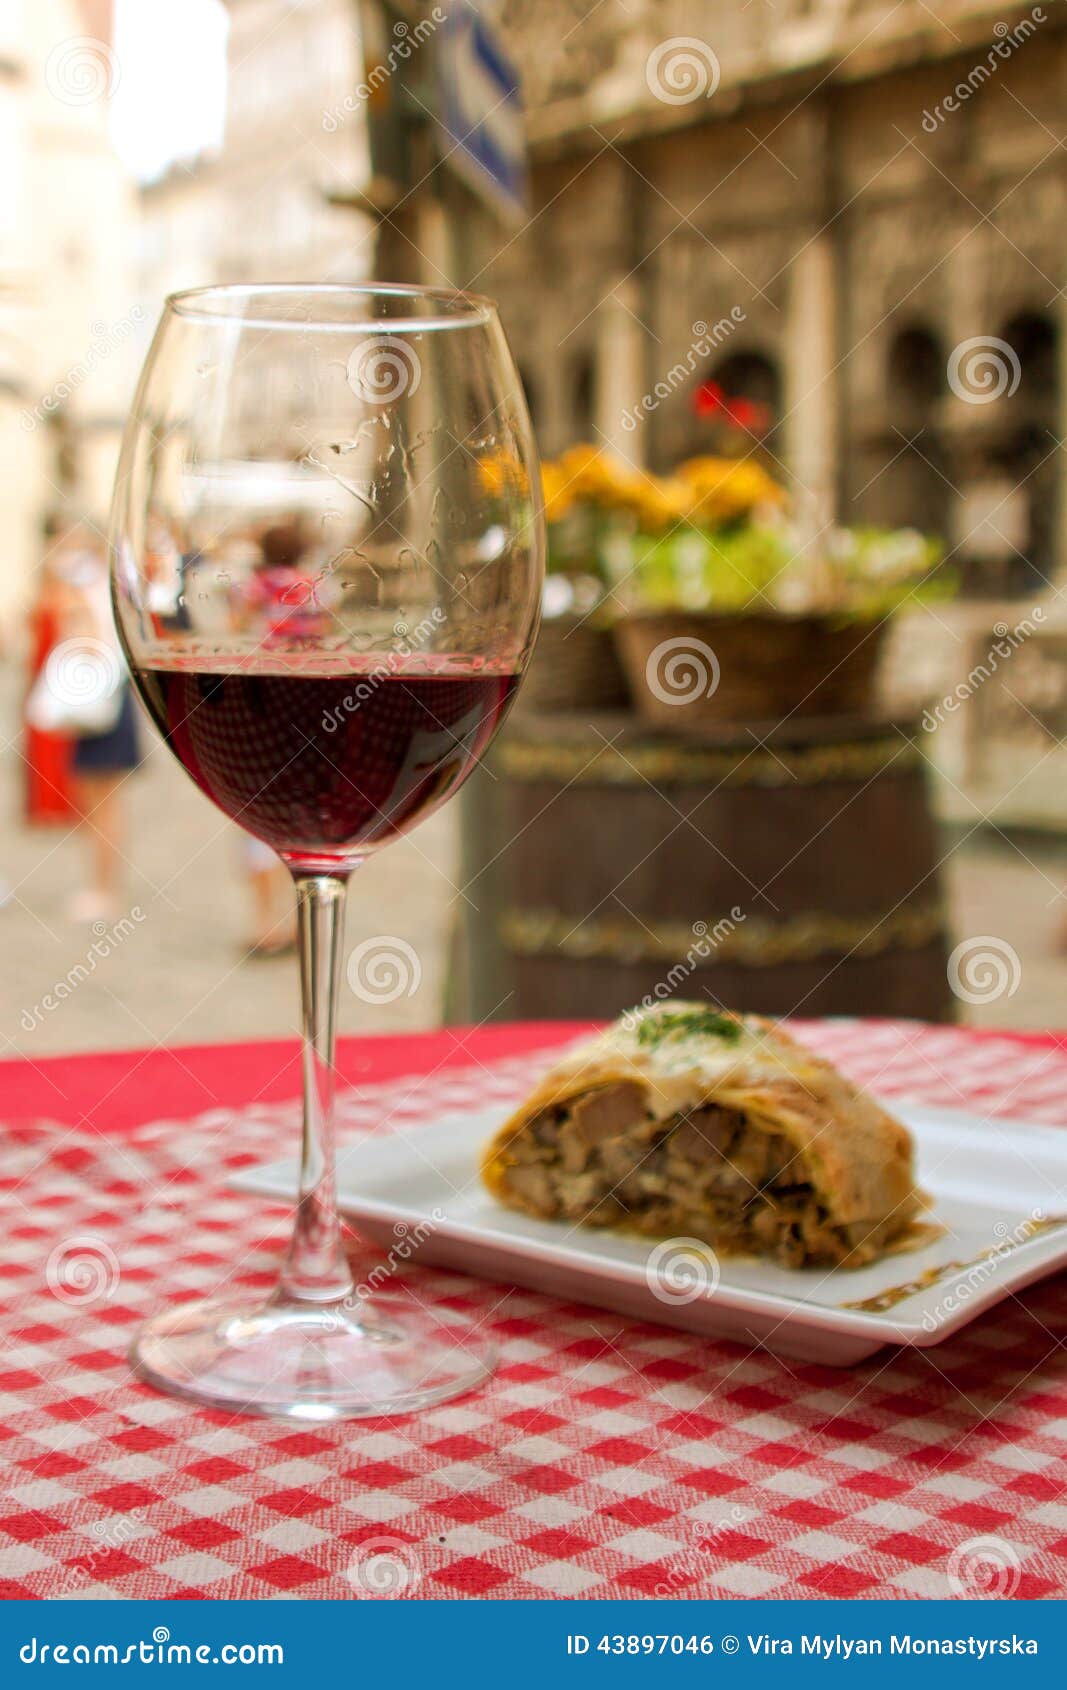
(999, 1191)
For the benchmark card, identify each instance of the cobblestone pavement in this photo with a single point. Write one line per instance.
(174, 972)
(175, 969)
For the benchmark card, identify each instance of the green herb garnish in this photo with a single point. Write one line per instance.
(688, 1021)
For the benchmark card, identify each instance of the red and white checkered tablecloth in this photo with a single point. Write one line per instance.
(605, 1458)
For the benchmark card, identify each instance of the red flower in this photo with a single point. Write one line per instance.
(749, 415)
(709, 399)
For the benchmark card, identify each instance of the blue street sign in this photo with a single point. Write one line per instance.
(481, 110)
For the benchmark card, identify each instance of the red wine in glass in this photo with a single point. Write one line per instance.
(327, 765)
(327, 562)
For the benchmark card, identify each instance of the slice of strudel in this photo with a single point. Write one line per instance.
(685, 1120)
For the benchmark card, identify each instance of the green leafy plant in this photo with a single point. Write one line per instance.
(847, 574)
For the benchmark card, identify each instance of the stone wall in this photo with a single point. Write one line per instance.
(859, 219)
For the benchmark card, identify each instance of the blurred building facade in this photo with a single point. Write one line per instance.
(274, 203)
(880, 191)
(71, 333)
(843, 195)
(87, 256)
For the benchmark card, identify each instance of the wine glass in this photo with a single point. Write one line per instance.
(327, 557)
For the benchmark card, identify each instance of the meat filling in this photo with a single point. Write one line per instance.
(601, 1160)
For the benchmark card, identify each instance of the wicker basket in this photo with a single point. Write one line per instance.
(759, 668)
(574, 667)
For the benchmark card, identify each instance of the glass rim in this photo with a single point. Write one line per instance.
(219, 303)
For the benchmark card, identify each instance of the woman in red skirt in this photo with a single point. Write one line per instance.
(49, 789)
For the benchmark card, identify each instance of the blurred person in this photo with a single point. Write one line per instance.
(101, 760)
(279, 598)
(273, 912)
(48, 796)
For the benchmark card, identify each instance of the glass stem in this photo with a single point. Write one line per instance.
(316, 1269)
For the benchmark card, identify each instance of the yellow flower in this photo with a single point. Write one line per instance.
(659, 501)
(594, 474)
(502, 473)
(707, 491)
(723, 489)
(558, 496)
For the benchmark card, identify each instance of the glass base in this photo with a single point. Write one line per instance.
(338, 1361)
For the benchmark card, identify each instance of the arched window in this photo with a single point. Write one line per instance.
(1022, 443)
(750, 375)
(1033, 338)
(917, 374)
(912, 488)
(686, 432)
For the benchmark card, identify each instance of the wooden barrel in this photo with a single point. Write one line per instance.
(790, 870)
